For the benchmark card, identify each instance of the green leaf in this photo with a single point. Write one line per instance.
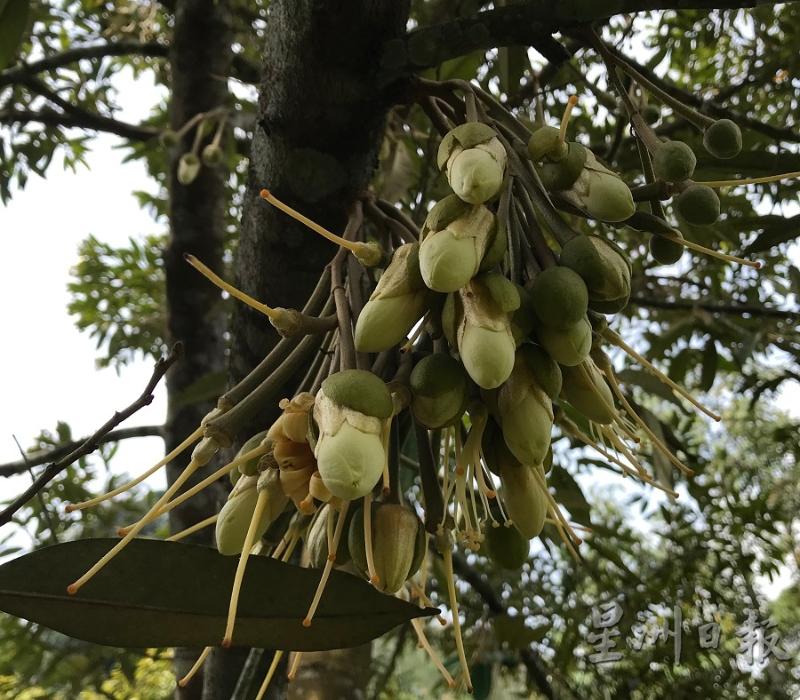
(13, 22)
(204, 388)
(569, 494)
(710, 363)
(514, 632)
(481, 675)
(778, 230)
(162, 594)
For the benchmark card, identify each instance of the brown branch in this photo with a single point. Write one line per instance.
(55, 468)
(80, 119)
(44, 456)
(734, 309)
(489, 596)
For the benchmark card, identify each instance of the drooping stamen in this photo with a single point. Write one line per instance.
(555, 508)
(620, 446)
(562, 132)
(211, 276)
(418, 592)
(326, 572)
(446, 485)
(249, 541)
(210, 520)
(196, 435)
(563, 533)
(617, 340)
(368, 254)
(73, 588)
(716, 184)
(296, 658)
(276, 659)
(573, 430)
(426, 645)
(447, 557)
(374, 579)
(755, 264)
(654, 439)
(200, 485)
(183, 682)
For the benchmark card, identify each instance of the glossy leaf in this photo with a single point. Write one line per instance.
(13, 21)
(159, 594)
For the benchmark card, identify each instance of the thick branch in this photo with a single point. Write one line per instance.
(80, 119)
(484, 589)
(529, 23)
(734, 309)
(55, 468)
(37, 458)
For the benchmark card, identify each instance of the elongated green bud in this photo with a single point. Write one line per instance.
(250, 468)
(546, 142)
(587, 391)
(398, 544)
(601, 265)
(562, 174)
(398, 302)
(450, 257)
(525, 412)
(440, 390)
(495, 451)
(507, 547)
(351, 410)
(524, 499)
(317, 539)
(568, 347)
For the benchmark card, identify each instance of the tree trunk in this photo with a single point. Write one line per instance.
(320, 121)
(200, 54)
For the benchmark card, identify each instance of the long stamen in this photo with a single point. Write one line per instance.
(276, 659)
(657, 442)
(617, 340)
(210, 520)
(426, 645)
(73, 588)
(715, 253)
(298, 656)
(554, 507)
(183, 682)
(326, 572)
(750, 180)
(562, 132)
(249, 541)
(620, 446)
(215, 279)
(419, 592)
(374, 579)
(200, 485)
(367, 253)
(447, 557)
(196, 435)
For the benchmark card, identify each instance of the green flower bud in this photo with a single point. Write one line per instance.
(250, 467)
(188, 168)
(317, 539)
(560, 297)
(212, 155)
(568, 347)
(474, 160)
(600, 192)
(525, 500)
(698, 204)
(545, 369)
(235, 516)
(524, 318)
(526, 413)
(398, 302)
(495, 451)
(601, 265)
(674, 161)
(169, 138)
(723, 139)
(546, 142)
(440, 391)
(507, 547)
(398, 544)
(563, 173)
(450, 257)
(664, 250)
(590, 395)
(352, 411)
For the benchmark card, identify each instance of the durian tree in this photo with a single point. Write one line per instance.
(477, 252)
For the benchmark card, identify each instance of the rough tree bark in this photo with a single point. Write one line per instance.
(320, 120)
(199, 55)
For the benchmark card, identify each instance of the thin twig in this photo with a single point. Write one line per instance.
(55, 468)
